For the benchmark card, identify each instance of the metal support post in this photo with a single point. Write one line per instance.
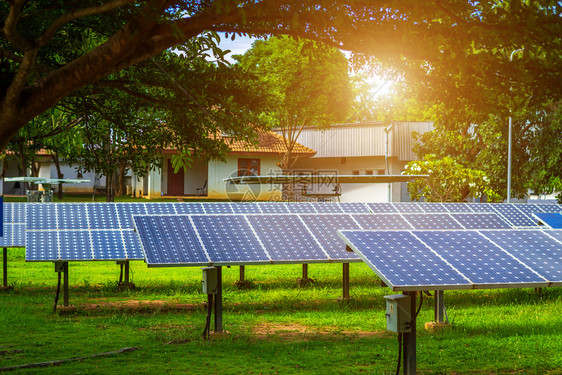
(304, 280)
(64, 269)
(305, 271)
(409, 354)
(127, 272)
(124, 278)
(218, 301)
(439, 316)
(242, 283)
(5, 267)
(345, 281)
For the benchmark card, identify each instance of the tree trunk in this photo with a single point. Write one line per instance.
(121, 178)
(109, 187)
(56, 160)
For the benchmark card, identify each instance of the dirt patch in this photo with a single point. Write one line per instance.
(140, 305)
(299, 332)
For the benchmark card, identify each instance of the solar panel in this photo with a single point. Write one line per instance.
(72, 216)
(169, 240)
(245, 208)
(556, 234)
(550, 207)
(534, 248)
(529, 208)
(229, 238)
(109, 245)
(408, 207)
(189, 208)
(512, 214)
(273, 207)
(74, 245)
(327, 208)
(6, 213)
(300, 208)
(160, 208)
(125, 212)
(481, 221)
(457, 207)
(103, 216)
(286, 238)
(324, 228)
(479, 260)
(432, 207)
(41, 246)
(18, 212)
(352, 208)
(382, 208)
(41, 216)
(551, 219)
(14, 235)
(403, 261)
(382, 221)
(217, 208)
(432, 221)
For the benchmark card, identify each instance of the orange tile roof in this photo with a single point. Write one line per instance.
(268, 143)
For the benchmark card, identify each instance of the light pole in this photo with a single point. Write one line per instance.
(509, 141)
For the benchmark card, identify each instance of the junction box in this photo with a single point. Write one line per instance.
(398, 313)
(210, 280)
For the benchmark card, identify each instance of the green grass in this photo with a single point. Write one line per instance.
(494, 331)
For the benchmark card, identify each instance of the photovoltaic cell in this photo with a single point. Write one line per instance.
(74, 245)
(217, 208)
(481, 221)
(382, 221)
(552, 219)
(550, 207)
(245, 208)
(382, 208)
(160, 208)
(432, 221)
(325, 227)
(103, 216)
(273, 207)
(286, 238)
(125, 212)
(229, 238)
(132, 245)
(14, 235)
(41, 246)
(403, 261)
(327, 208)
(72, 216)
(529, 209)
(300, 208)
(408, 207)
(108, 245)
(352, 208)
(479, 260)
(18, 213)
(532, 247)
(7, 213)
(41, 216)
(169, 240)
(433, 207)
(457, 207)
(514, 215)
(189, 208)
(555, 233)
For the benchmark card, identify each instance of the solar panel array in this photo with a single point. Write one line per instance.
(551, 219)
(278, 238)
(461, 259)
(14, 225)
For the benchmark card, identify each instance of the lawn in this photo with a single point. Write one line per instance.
(275, 326)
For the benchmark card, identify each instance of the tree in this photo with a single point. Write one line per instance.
(448, 181)
(306, 83)
(43, 59)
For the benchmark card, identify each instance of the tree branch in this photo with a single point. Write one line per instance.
(10, 26)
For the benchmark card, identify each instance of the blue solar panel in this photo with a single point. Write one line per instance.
(6, 237)
(327, 208)
(402, 261)
(229, 238)
(18, 212)
(217, 208)
(382, 221)
(125, 212)
(534, 248)
(408, 207)
(481, 221)
(169, 240)
(514, 215)
(132, 244)
(432, 221)
(74, 245)
(245, 208)
(552, 219)
(433, 207)
(550, 207)
(352, 208)
(72, 216)
(103, 216)
(286, 238)
(457, 207)
(301, 208)
(189, 208)
(528, 208)
(382, 208)
(6, 212)
(108, 245)
(556, 234)
(41, 216)
(160, 208)
(325, 229)
(273, 207)
(477, 258)
(41, 246)
(14, 235)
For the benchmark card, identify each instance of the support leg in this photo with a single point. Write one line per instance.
(5, 268)
(65, 284)
(345, 283)
(438, 307)
(242, 283)
(409, 355)
(304, 280)
(218, 302)
(125, 271)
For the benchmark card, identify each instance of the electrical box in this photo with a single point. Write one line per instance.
(398, 313)
(210, 280)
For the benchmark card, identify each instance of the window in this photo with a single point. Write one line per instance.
(355, 172)
(248, 167)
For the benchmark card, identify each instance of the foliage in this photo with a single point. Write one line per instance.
(448, 181)
(306, 84)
